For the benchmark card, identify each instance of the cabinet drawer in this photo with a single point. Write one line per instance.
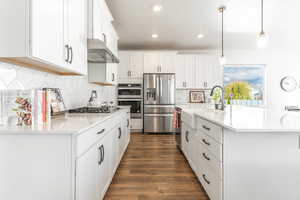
(212, 145)
(91, 136)
(206, 158)
(211, 184)
(188, 118)
(210, 129)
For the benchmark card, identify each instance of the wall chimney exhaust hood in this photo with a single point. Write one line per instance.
(98, 52)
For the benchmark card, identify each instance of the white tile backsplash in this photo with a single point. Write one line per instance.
(75, 89)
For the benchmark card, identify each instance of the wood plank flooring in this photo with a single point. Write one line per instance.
(154, 169)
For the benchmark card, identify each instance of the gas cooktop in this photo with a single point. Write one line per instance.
(90, 110)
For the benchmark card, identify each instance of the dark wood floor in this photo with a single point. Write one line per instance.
(154, 169)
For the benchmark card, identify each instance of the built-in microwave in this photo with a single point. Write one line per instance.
(130, 91)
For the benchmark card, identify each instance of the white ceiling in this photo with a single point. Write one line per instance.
(181, 21)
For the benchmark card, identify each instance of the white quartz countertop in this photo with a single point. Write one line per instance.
(69, 123)
(248, 119)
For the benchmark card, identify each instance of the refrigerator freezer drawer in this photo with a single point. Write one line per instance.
(158, 123)
(159, 109)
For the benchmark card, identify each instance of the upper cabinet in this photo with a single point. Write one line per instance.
(159, 62)
(131, 64)
(45, 35)
(100, 28)
(198, 71)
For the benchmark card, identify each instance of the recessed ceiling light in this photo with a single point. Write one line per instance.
(200, 36)
(157, 8)
(154, 36)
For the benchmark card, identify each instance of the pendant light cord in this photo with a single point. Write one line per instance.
(222, 32)
(262, 16)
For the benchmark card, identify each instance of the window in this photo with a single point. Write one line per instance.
(244, 84)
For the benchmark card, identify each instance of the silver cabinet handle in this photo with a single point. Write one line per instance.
(205, 156)
(101, 155)
(120, 133)
(206, 128)
(187, 136)
(71, 57)
(100, 132)
(67, 53)
(113, 77)
(205, 142)
(127, 123)
(205, 179)
(128, 73)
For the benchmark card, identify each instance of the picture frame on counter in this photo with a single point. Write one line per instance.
(55, 99)
(197, 96)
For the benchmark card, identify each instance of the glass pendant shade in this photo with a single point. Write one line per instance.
(262, 40)
(222, 60)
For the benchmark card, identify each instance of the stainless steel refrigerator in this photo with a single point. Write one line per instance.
(159, 103)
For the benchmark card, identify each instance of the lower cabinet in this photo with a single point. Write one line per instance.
(96, 167)
(203, 152)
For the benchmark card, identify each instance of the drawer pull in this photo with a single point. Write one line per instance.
(205, 179)
(205, 156)
(100, 132)
(205, 142)
(206, 128)
(187, 136)
(120, 133)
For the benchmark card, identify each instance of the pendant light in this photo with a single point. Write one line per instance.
(262, 37)
(222, 57)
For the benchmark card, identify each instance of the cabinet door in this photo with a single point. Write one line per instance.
(77, 35)
(111, 73)
(201, 71)
(47, 31)
(136, 64)
(190, 77)
(115, 151)
(185, 140)
(215, 71)
(167, 62)
(104, 165)
(151, 62)
(124, 65)
(86, 171)
(180, 72)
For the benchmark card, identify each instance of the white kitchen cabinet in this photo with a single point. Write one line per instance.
(151, 62)
(101, 73)
(159, 62)
(185, 71)
(48, 35)
(208, 71)
(99, 18)
(131, 64)
(105, 164)
(77, 35)
(86, 179)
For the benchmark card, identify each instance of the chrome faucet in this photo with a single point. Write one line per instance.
(220, 106)
(92, 100)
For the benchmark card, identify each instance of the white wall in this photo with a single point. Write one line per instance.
(75, 89)
(279, 64)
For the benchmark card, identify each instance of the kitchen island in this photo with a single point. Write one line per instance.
(73, 157)
(242, 152)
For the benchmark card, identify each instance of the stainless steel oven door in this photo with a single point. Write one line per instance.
(135, 107)
(158, 123)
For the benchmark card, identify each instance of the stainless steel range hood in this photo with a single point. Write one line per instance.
(98, 52)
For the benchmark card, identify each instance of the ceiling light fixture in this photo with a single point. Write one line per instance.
(200, 36)
(222, 57)
(154, 36)
(262, 39)
(157, 8)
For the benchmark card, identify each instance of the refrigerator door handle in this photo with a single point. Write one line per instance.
(161, 87)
